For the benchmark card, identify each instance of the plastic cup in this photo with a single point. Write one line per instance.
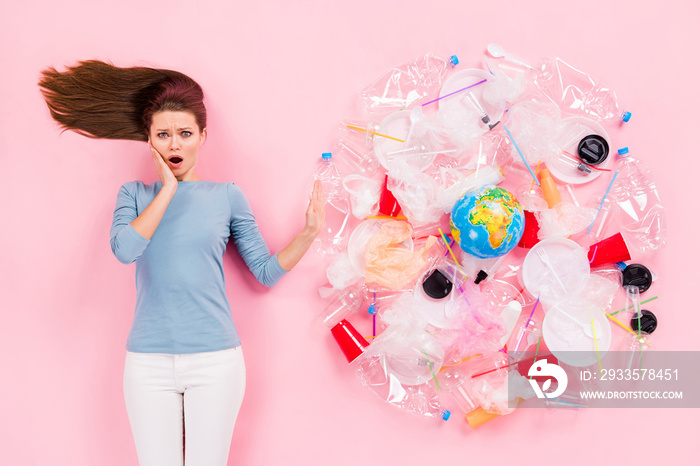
(532, 228)
(351, 343)
(609, 251)
(388, 205)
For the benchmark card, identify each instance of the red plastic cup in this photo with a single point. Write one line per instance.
(532, 228)
(388, 205)
(609, 251)
(351, 343)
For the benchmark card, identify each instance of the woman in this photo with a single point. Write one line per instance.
(184, 370)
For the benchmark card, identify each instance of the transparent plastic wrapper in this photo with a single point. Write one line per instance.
(534, 127)
(417, 193)
(490, 380)
(602, 287)
(364, 195)
(484, 175)
(389, 264)
(355, 160)
(640, 211)
(575, 92)
(416, 399)
(564, 220)
(478, 327)
(504, 88)
(341, 273)
(404, 85)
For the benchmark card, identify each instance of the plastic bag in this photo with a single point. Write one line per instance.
(364, 195)
(389, 264)
(341, 273)
(564, 220)
(406, 84)
(534, 127)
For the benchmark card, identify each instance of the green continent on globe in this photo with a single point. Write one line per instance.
(494, 210)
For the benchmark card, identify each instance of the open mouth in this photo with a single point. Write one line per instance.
(175, 160)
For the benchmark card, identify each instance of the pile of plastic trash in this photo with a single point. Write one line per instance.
(481, 219)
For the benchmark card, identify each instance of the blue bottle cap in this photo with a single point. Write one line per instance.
(626, 116)
(326, 155)
(445, 415)
(623, 152)
(454, 60)
(372, 309)
(621, 265)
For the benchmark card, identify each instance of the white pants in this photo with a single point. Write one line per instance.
(195, 396)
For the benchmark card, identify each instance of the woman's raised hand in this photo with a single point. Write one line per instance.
(164, 173)
(316, 212)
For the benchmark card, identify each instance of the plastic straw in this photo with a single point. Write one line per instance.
(375, 134)
(521, 155)
(618, 322)
(643, 302)
(444, 238)
(589, 165)
(595, 341)
(527, 323)
(455, 92)
(536, 172)
(537, 350)
(601, 201)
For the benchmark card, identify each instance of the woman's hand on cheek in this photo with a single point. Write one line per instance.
(164, 173)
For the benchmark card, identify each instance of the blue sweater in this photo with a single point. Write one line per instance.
(181, 303)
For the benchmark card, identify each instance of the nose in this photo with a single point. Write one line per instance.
(174, 144)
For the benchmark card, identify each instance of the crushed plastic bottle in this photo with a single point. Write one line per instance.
(404, 85)
(334, 235)
(345, 302)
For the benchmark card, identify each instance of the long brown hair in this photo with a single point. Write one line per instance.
(99, 100)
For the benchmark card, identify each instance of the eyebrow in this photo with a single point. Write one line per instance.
(186, 128)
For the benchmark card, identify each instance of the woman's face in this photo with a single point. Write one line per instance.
(176, 136)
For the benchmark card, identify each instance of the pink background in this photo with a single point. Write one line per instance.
(278, 77)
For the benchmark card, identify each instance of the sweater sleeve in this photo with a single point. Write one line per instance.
(249, 242)
(127, 244)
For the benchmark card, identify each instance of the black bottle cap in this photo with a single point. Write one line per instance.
(637, 275)
(480, 277)
(437, 286)
(648, 322)
(593, 149)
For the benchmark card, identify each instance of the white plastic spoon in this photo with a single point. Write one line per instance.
(496, 51)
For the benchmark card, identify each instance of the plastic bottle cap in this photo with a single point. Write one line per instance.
(623, 152)
(445, 415)
(621, 265)
(637, 275)
(480, 277)
(648, 322)
(436, 285)
(626, 116)
(593, 149)
(326, 155)
(454, 60)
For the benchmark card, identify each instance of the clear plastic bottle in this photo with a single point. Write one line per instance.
(404, 85)
(636, 345)
(455, 382)
(342, 304)
(333, 237)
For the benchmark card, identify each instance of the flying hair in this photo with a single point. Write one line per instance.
(100, 100)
